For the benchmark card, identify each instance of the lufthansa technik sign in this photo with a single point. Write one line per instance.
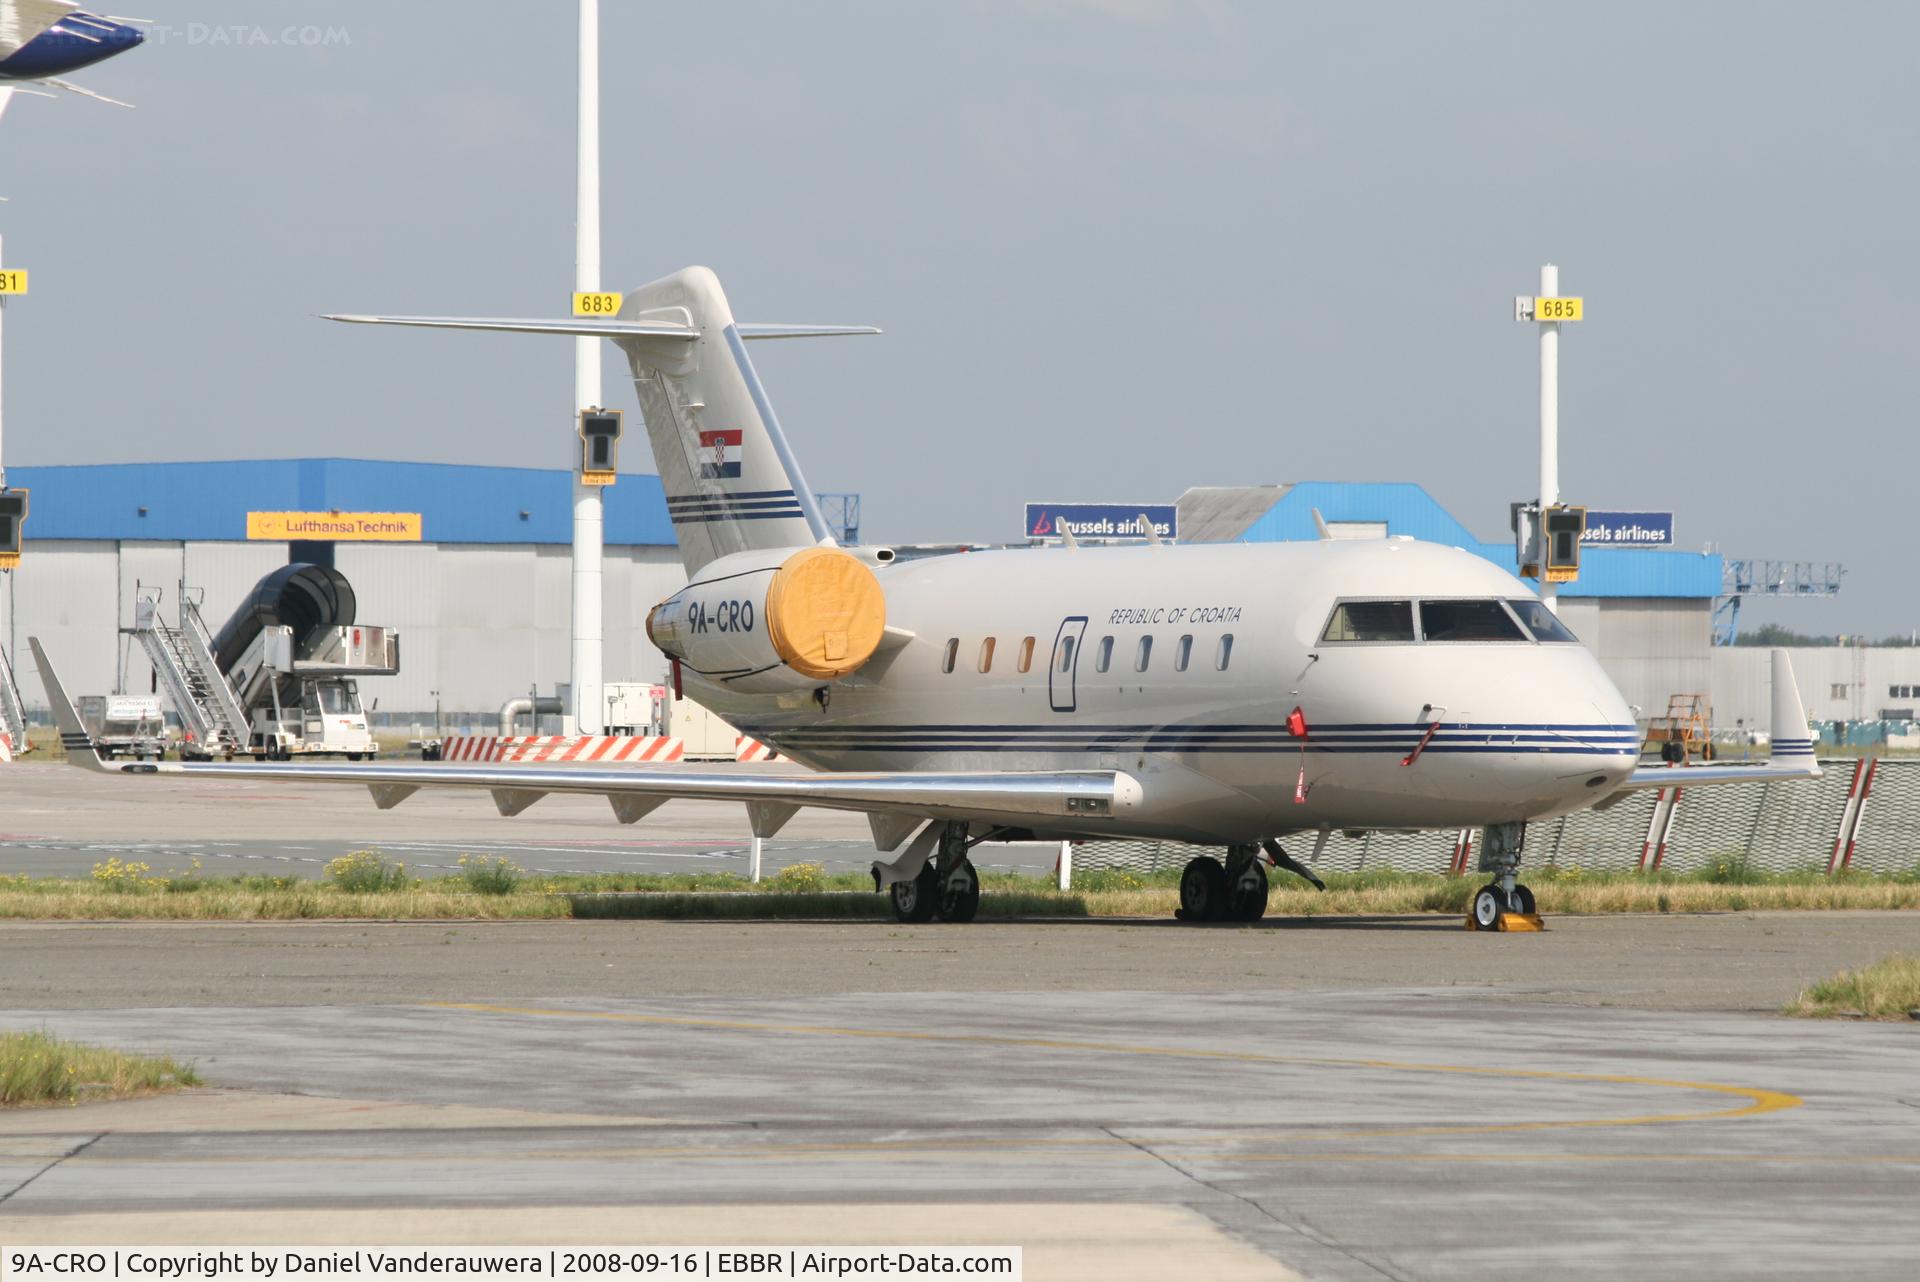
(1628, 529)
(1101, 520)
(337, 527)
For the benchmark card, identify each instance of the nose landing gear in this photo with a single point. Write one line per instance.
(1503, 904)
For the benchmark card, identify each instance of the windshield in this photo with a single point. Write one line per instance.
(1370, 621)
(1468, 621)
(1541, 621)
(338, 699)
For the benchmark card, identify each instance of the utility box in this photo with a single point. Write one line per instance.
(706, 736)
(631, 707)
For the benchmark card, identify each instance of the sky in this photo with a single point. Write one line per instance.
(1118, 247)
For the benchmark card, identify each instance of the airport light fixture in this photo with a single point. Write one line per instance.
(1536, 525)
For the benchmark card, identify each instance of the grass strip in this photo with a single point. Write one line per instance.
(484, 891)
(1888, 989)
(38, 1069)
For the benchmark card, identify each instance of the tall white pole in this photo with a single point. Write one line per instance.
(3, 431)
(6, 576)
(586, 715)
(1549, 427)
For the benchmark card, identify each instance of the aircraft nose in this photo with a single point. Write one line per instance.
(123, 37)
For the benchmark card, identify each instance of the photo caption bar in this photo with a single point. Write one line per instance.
(575, 1264)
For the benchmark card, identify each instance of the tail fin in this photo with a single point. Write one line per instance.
(732, 483)
(1792, 740)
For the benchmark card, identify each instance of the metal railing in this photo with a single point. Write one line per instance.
(13, 712)
(183, 656)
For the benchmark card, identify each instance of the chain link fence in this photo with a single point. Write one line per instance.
(1863, 814)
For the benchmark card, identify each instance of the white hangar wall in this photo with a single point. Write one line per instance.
(479, 623)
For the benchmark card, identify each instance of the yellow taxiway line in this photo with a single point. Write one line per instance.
(1758, 1100)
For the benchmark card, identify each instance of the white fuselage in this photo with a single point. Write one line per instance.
(1527, 729)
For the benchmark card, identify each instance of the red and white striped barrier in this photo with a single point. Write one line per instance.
(6, 748)
(531, 749)
(1857, 793)
(747, 748)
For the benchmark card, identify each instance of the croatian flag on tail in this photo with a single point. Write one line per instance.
(719, 455)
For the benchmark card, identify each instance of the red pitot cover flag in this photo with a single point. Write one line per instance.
(1297, 723)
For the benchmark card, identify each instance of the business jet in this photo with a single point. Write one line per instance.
(1226, 695)
(42, 41)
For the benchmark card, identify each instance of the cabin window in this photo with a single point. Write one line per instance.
(1223, 653)
(1540, 621)
(986, 655)
(1025, 662)
(1370, 621)
(1182, 653)
(1143, 655)
(1103, 657)
(1066, 654)
(951, 653)
(1468, 621)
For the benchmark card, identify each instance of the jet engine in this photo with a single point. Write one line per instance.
(774, 621)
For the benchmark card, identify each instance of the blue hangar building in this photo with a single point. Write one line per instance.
(478, 580)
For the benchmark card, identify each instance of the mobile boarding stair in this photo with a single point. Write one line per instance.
(212, 720)
(13, 714)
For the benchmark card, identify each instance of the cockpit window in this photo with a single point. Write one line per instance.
(1468, 621)
(1370, 621)
(1541, 621)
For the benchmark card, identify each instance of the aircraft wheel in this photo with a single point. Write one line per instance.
(960, 894)
(915, 900)
(1487, 907)
(1247, 898)
(1522, 900)
(1203, 890)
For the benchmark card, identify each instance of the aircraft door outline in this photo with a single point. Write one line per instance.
(1063, 664)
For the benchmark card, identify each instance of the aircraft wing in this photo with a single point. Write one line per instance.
(22, 20)
(1792, 749)
(895, 802)
(1665, 776)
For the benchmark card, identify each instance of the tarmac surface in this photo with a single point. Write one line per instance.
(1387, 1097)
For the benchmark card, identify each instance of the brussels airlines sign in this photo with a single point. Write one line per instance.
(1100, 520)
(1628, 529)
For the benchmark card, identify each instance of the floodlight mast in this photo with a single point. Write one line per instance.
(1549, 430)
(586, 714)
(3, 431)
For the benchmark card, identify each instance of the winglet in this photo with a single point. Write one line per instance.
(73, 732)
(1792, 740)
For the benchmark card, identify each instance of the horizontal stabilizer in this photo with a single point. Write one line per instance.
(577, 326)
(748, 330)
(597, 327)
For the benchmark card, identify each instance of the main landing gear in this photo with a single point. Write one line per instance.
(1237, 891)
(948, 887)
(1503, 903)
